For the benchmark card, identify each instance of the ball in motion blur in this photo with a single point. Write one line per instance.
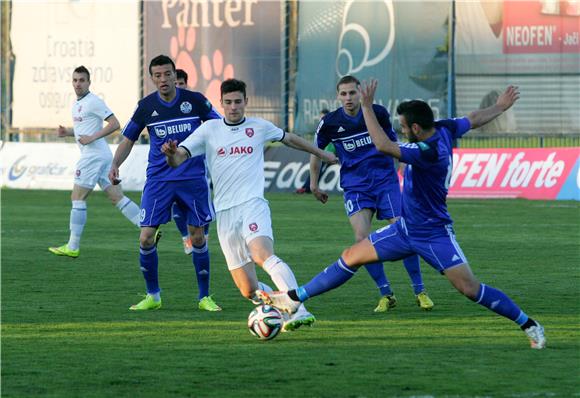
(265, 322)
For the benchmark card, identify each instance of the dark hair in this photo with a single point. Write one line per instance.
(181, 74)
(324, 111)
(417, 111)
(82, 69)
(347, 79)
(233, 85)
(161, 60)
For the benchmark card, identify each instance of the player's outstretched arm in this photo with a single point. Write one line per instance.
(112, 125)
(123, 150)
(314, 177)
(296, 142)
(380, 139)
(505, 101)
(174, 155)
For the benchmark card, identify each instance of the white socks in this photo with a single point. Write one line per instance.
(129, 210)
(280, 272)
(78, 219)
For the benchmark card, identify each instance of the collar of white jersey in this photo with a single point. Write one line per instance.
(234, 124)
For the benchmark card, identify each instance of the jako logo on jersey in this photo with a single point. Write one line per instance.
(241, 150)
(162, 130)
(253, 227)
(351, 145)
(221, 151)
(250, 132)
(185, 107)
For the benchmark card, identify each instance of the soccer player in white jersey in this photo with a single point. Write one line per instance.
(88, 112)
(234, 150)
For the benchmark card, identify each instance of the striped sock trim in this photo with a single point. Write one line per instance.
(145, 252)
(202, 249)
(481, 293)
(343, 266)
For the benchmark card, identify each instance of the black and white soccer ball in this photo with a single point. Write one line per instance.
(265, 322)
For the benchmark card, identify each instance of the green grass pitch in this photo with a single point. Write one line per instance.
(67, 331)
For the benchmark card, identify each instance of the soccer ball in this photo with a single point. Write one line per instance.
(265, 322)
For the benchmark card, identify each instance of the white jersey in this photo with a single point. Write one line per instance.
(88, 114)
(234, 156)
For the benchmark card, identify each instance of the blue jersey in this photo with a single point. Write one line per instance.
(174, 120)
(427, 177)
(361, 165)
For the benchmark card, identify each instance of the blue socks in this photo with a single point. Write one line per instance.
(180, 220)
(332, 277)
(377, 272)
(149, 267)
(200, 257)
(413, 268)
(500, 303)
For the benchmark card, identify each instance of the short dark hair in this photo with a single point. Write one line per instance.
(324, 111)
(161, 60)
(347, 79)
(181, 74)
(233, 85)
(417, 111)
(82, 69)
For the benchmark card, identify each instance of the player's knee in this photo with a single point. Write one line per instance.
(146, 240)
(469, 288)
(198, 239)
(349, 257)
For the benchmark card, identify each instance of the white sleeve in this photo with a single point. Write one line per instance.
(195, 143)
(272, 132)
(101, 109)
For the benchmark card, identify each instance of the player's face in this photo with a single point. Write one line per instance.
(181, 83)
(349, 96)
(407, 130)
(234, 105)
(163, 77)
(80, 83)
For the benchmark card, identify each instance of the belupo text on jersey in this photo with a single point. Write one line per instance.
(352, 144)
(164, 130)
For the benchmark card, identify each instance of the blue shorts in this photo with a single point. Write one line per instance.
(384, 199)
(439, 249)
(192, 197)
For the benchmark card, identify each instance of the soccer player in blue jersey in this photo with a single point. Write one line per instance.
(369, 179)
(170, 113)
(425, 226)
(177, 214)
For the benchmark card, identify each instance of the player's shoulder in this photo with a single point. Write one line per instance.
(253, 121)
(148, 100)
(194, 96)
(380, 110)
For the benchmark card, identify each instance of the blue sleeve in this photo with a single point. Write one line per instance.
(137, 123)
(206, 109)
(421, 154)
(321, 139)
(457, 127)
(385, 121)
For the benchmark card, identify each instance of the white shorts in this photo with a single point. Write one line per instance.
(93, 170)
(238, 225)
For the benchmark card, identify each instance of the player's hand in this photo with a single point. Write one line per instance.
(328, 157)
(508, 98)
(86, 139)
(321, 196)
(367, 92)
(114, 175)
(169, 148)
(61, 131)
